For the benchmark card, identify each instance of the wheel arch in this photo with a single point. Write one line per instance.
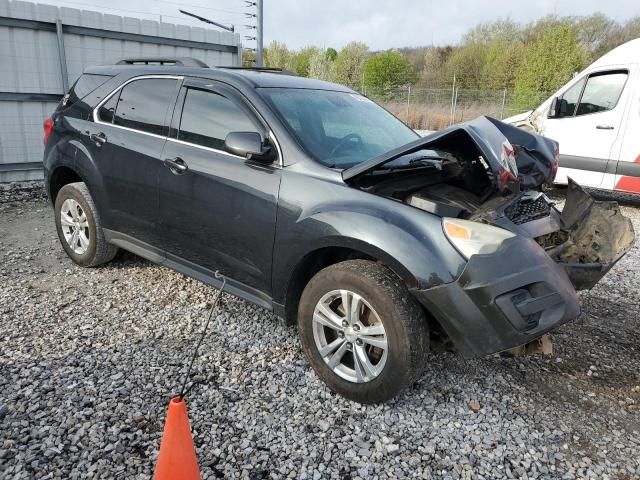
(73, 163)
(323, 256)
(61, 176)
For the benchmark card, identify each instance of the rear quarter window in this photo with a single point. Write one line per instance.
(87, 83)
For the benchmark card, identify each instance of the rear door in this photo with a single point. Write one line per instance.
(127, 137)
(217, 210)
(587, 125)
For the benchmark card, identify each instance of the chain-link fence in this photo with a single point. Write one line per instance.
(436, 108)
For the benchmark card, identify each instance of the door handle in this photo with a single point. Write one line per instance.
(604, 127)
(176, 165)
(98, 138)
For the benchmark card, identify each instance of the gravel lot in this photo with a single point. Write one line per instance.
(90, 357)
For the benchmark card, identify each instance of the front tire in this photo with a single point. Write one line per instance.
(362, 331)
(79, 228)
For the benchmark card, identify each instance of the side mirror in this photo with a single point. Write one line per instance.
(553, 109)
(559, 108)
(250, 146)
(563, 108)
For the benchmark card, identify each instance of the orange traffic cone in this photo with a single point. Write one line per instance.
(177, 458)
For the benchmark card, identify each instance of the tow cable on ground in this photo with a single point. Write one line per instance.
(183, 392)
(177, 457)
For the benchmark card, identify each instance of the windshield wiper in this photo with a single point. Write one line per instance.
(426, 161)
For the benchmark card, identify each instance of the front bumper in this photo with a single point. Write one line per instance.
(503, 300)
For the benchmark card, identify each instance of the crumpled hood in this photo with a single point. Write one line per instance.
(518, 159)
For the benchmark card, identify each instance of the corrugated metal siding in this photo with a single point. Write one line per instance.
(30, 63)
(21, 130)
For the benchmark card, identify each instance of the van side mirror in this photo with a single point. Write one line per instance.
(559, 107)
(553, 108)
(250, 146)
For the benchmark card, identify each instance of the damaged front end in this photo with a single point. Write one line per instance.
(586, 238)
(490, 172)
(597, 236)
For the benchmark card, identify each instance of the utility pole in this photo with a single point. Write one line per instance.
(259, 34)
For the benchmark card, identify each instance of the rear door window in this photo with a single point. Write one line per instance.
(602, 92)
(143, 105)
(208, 117)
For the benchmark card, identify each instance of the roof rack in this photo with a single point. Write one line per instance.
(169, 61)
(283, 71)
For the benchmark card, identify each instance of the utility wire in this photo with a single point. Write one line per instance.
(183, 392)
(235, 12)
(82, 4)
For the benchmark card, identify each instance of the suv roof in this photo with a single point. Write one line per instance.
(253, 78)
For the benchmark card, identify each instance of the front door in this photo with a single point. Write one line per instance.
(586, 126)
(217, 210)
(127, 139)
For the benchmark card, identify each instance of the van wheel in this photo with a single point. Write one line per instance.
(79, 228)
(364, 334)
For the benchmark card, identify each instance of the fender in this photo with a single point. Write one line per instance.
(71, 152)
(406, 239)
(54, 158)
(85, 166)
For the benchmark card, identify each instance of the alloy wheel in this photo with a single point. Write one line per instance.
(350, 336)
(75, 226)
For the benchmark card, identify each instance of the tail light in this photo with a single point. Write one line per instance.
(48, 129)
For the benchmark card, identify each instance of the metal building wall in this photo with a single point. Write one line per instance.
(31, 73)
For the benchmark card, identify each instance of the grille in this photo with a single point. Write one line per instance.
(527, 209)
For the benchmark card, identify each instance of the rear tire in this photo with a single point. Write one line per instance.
(79, 227)
(381, 344)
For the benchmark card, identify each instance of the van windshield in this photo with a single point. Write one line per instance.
(339, 129)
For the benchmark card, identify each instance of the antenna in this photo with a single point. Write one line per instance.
(206, 20)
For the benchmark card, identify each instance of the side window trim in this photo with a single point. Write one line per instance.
(584, 85)
(219, 88)
(176, 118)
(118, 90)
(228, 92)
(115, 96)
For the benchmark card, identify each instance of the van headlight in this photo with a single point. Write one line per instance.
(472, 238)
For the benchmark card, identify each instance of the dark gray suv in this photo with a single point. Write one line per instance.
(319, 205)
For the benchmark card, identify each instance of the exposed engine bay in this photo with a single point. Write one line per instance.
(493, 173)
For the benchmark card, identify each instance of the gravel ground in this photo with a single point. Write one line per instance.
(90, 357)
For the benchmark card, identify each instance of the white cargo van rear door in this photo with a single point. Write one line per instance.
(586, 123)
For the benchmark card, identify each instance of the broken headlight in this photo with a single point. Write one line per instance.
(472, 238)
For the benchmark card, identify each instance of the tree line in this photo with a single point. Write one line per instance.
(525, 58)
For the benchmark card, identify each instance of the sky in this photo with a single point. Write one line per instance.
(381, 24)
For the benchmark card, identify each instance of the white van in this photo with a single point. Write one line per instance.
(596, 119)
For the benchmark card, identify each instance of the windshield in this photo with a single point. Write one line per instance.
(340, 129)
